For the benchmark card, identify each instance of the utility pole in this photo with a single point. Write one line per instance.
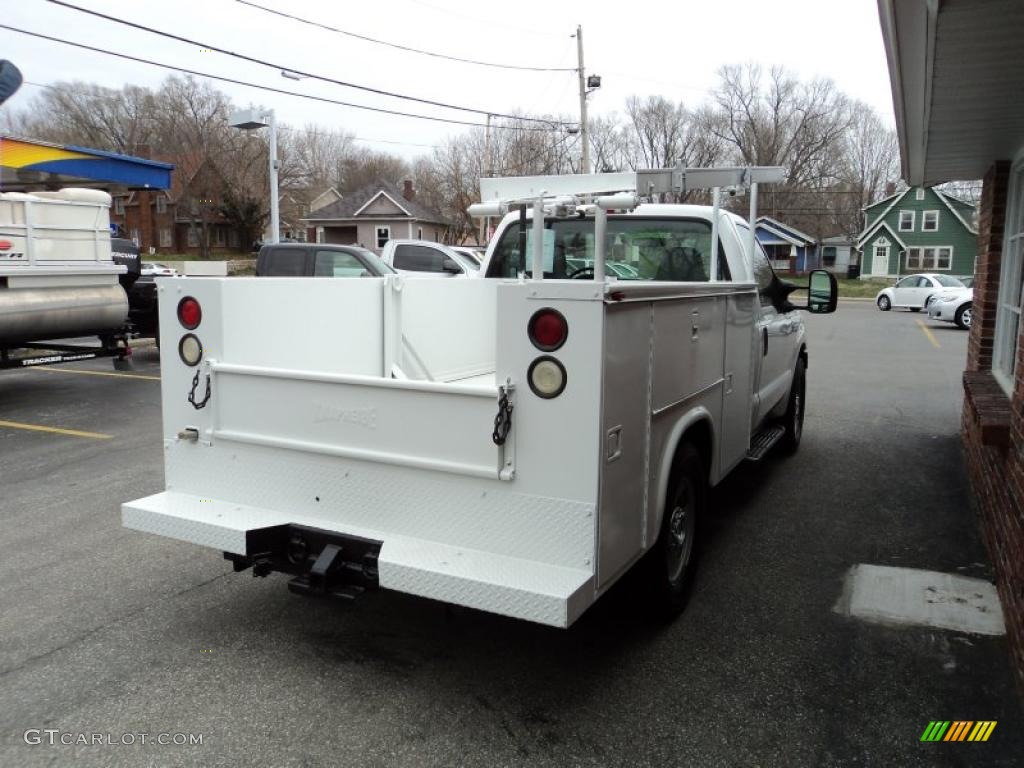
(584, 132)
(485, 224)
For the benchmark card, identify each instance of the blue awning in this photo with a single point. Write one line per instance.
(28, 164)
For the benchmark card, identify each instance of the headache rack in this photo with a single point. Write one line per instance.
(597, 193)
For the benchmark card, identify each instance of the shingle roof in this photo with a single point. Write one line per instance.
(346, 208)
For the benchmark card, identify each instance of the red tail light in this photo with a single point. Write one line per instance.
(548, 329)
(190, 314)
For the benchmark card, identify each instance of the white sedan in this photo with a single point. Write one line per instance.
(153, 269)
(953, 309)
(913, 292)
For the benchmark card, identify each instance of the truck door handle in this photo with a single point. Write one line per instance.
(764, 342)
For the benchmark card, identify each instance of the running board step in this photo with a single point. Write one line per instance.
(763, 441)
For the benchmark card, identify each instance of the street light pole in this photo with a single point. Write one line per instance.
(584, 131)
(275, 218)
(251, 119)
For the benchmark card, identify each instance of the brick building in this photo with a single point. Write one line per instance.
(956, 75)
(173, 221)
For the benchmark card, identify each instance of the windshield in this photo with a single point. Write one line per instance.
(636, 249)
(949, 282)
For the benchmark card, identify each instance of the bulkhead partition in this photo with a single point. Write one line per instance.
(328, 326)
(448, 328)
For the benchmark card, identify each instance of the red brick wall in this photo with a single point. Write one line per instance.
(986, 271)
(993, 424)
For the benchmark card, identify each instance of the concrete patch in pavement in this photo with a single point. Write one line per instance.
(912, 597)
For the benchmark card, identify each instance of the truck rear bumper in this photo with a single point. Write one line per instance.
(511, 586)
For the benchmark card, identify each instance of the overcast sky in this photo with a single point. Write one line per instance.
(640, 47)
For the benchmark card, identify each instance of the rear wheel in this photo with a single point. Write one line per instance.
(884, 304)
(963, 317)
(793, 421)
(668, 568)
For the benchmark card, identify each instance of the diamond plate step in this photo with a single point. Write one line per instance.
(763, 441)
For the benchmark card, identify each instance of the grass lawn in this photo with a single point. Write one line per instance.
(861, 289)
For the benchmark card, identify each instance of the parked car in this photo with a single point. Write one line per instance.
(424, 258)
(153, 269)
(954, 309)
(474, 254)
(318, 260)
(968, 281)
(913, 292)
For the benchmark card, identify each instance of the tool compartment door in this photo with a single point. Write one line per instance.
(624, 434)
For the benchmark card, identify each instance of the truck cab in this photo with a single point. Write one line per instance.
(423, 258)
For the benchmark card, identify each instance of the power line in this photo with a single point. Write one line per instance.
(399, 47)
(52, 87)
(269, 88)
(283, 67)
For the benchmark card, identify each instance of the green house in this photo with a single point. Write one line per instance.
(918, 230)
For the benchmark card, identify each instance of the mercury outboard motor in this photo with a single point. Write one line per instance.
(126, 252)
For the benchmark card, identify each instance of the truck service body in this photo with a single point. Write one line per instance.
(361, 433)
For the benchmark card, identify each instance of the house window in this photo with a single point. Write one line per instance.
(383, 235)
(119, 206)
(193, 237)
(219, 237)
(930, 221)
(161, 204)
(135, 237)
(1011, 278)
(828, 256)
(939, 257)
(907, 221)
(165, 237)
(233, 238)
(919, 193)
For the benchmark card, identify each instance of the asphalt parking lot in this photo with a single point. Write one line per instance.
(112, 631)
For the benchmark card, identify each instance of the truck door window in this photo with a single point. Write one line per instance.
(337, 264)
(286, 262)
(764, 275)
(419, 258)
(638, 248)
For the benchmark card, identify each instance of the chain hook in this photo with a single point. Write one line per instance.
(192, 394)
(503, 420)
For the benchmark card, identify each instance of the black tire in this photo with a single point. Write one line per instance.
(964, 315)
(667, 570)
(884, 304)
(793, 421)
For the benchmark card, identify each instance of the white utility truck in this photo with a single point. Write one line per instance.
(60, 278)
(363, 433)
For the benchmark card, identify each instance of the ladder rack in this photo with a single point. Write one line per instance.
(617, 191)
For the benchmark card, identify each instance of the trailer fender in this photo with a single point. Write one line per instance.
(698, 426)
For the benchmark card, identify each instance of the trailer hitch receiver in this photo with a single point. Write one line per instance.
(323, 563)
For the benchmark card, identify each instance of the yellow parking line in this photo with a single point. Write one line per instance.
(928, 333)
(54, 430)
(97, 373)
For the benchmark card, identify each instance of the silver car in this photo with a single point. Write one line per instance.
(953, 309)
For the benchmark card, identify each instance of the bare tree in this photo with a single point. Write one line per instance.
(778, 120)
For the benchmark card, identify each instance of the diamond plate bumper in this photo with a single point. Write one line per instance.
(511, 586)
